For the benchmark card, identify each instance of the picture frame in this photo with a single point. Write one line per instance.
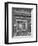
(20, 22)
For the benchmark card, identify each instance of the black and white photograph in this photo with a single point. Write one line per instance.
(20, 22)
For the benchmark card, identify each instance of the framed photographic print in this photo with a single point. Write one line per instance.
(20, 22)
